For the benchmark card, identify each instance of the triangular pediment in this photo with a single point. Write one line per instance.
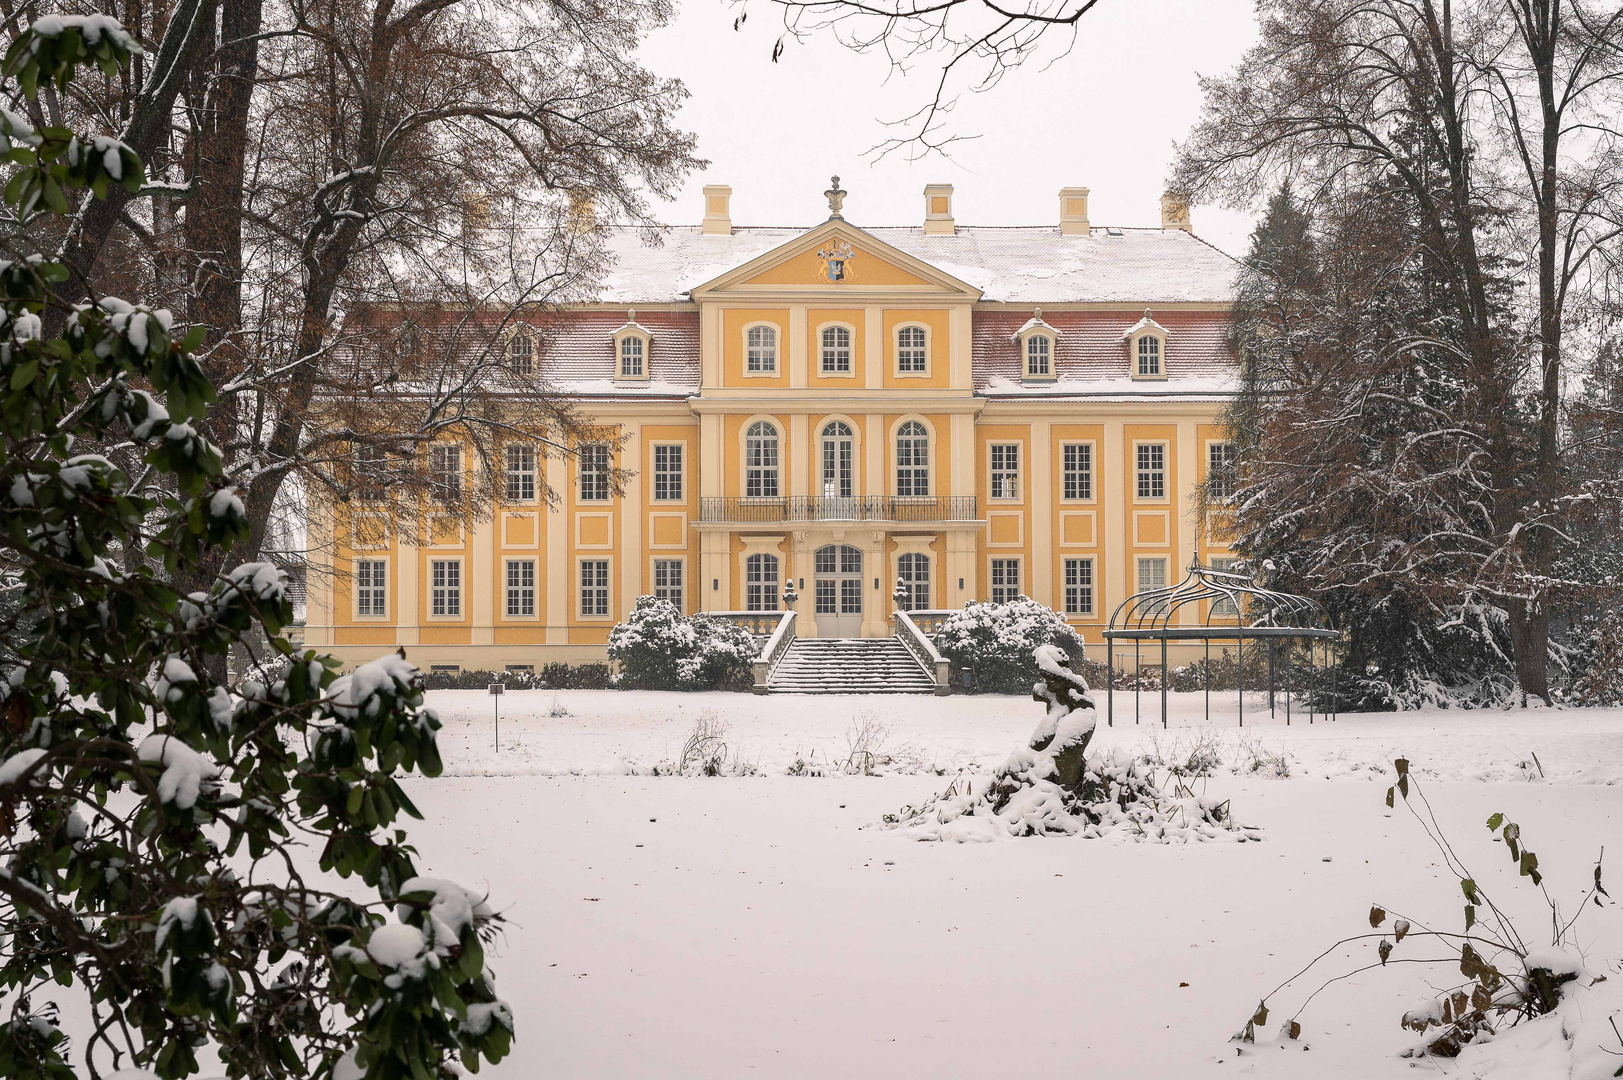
(832, 259)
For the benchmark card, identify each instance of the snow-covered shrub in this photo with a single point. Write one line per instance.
(559, 675)
(659, 648)
(1595, 661)
(995, 643)
(1049, 787)
(480, 680)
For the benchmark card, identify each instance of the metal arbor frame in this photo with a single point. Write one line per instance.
(1274, 617)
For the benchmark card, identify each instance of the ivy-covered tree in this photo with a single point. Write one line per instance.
(189, 868)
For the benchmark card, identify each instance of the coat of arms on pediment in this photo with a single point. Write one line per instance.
(835, 256)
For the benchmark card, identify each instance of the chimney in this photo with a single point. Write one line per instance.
(1175, 212)
(717, 213)
(938, 210)
(1073, 211)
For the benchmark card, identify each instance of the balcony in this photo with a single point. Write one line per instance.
(814, 508)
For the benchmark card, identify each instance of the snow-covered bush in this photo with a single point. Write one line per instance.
(659, 648)
(1049, 787)
(995, 643)
(479, 680)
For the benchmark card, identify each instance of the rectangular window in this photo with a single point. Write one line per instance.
(668, 580)
(594, 588)
(1079, 586)
(446, 465)
(910, 350)
(1005, 470)
(370, 473)
(445, 587)
(668, 472)
(594, 473)
(761, 350)
(1152, 575)
(836, 352)
(1220, 470)
(1077, 459)
(520, 588)
(371, 588)
(1224, 606)
(1005, 580)
(1152, 470)
(521, 473)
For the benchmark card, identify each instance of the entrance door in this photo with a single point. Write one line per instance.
(837, 570)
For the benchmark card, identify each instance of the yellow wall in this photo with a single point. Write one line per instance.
(939, 343)
(864, 269)
(734, 322)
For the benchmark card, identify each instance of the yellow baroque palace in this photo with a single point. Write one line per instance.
(913, 417)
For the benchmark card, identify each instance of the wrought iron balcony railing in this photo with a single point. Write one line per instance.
(826, 508)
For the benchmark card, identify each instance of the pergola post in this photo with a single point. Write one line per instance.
(1110, 682)
(1164, 680)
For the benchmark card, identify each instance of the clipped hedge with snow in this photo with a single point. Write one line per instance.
(1049, 787)
(659, 648)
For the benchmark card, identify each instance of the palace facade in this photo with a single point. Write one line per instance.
(922, 415)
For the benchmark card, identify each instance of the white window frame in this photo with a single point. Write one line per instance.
(1137, 355)
(1087, 474)
(916, 586)
(1073, 589)
(823, 370)
(520, 473)
(1223, 608)
(1017, 481)
(765, 475)
(768, 353)
(631, 348)
(665, 589)
(1141, 475)
(600, 588)
(1139, 566)
(919, 466)
(445, 595)
(756, 594)
(1212, 470)
(1048, 352)
(896, 343)
(676, 477)
(515, 592)
(996, 589)
(594, 462)
(521, 353)
(369, 588)
(445, 469)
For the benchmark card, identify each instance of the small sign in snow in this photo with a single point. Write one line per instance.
(495, 688)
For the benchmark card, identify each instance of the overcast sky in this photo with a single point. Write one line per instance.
(1103, 117)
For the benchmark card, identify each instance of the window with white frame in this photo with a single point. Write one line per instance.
(1149, 356)
(911, 357)
(761, 350)
(668, 580)
(371, 588)
(1152, 470)
(1005, 459)
(632, 359)
(521, 473)
(1005, 580)
(370, 472)
(1076, 463)
(761, 583)
(913, 572)
(668, 472)
(521, 354)
(594, 588)
(1220, 474)
(1152, 575)
(445, 588)
(836, 351)
(1039, 356)
(1225, 606)
(445, 467)
(912, 460)
(594, 473)
(761, 461)
(520, 588)
(1079, 586)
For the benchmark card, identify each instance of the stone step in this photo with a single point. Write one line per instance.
(850, 666)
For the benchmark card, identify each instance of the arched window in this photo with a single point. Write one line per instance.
(1149, 356)
(631, 357)
(913, 570)
(521, 354)
(1039, 356)
(911, 357)
(761, 583)
(761, 461)
(839, 481)
(912, 459)
(836, 350)
(761, 350)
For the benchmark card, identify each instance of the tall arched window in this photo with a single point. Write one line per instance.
(836, 350)
(1149, 356)
(1039, 356)
(761, 461)
(838, 442)
(911, 357)
(914, 571)
(912, 459)
(761, 349)
(761, 583)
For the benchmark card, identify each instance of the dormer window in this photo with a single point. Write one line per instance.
(1038, 343)
(521, 354)
(1147, 348)
(633, 344)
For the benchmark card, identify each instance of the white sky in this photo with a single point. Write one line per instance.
(1103, 117)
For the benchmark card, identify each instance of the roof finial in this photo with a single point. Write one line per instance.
(631, 314)
(836, 199)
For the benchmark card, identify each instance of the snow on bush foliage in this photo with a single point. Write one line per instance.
(996, 642)
(659, 648)
(1049, 787)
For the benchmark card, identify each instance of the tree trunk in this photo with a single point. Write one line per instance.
(1530, 644)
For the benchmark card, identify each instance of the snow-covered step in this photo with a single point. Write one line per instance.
(850, 666)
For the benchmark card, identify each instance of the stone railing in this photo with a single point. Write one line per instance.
(833, 508)
(923, 650)
(930, 622)
(758, 624)
(773, 651)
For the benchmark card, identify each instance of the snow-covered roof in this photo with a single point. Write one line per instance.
(1025, 264)
(580, 357)
(1091, 359)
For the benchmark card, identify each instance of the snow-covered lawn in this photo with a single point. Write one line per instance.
(670, 927)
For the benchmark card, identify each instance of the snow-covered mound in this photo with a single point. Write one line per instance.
(1577, 1041)
(1050, 787)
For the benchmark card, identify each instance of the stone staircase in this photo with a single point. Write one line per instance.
(849, 666)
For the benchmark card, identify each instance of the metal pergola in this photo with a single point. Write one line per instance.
(1253, 613)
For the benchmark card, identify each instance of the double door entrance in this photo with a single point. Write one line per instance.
(837, 597)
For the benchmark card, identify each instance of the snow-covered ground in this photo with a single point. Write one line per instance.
(672, 927)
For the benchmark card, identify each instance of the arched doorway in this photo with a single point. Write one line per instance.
(839, 473)
(837, 573)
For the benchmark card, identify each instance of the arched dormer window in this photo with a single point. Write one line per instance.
(521, 353)
(1038, 342)
(761, 461)
(1147, 349)
(633, 344)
